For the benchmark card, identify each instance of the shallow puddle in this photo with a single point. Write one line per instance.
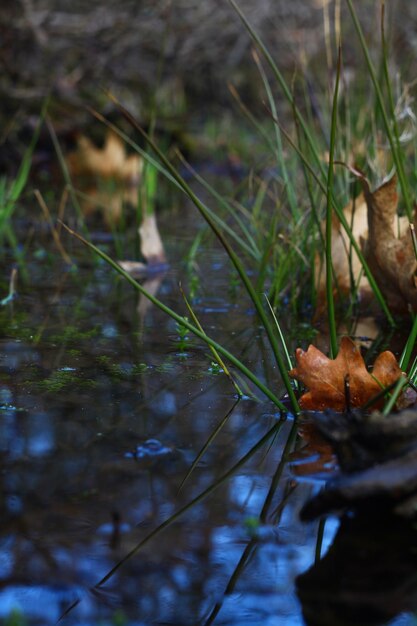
(104, 405)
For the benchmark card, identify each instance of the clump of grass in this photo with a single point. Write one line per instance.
(246, 233)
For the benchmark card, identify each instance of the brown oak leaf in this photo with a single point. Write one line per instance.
(391, 258)
(89, 166)
(325, 378)
(372, 216)
(111, 161)
(345, 261)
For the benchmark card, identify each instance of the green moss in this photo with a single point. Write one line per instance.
(64, 378)
(73, 333)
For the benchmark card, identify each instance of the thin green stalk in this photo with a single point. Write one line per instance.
(65, 172)
(205, 447)
(300, 120)
(230, 252)
(188, 506)
(389, 89)
(253, 543)
(148, 158)
(287, 92)
(329, 220)
(289, 446)
(401, 383)
(409, 346)
(265, 260)
(391, 138)
(216, 355)
(345, 224)
(251, 248)
(413, 372)
(381, 394)
(280, 333)
(261, 130)
(165, 524)
(181, 320)
(280, 156)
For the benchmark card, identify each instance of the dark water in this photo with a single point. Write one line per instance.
(102, 412)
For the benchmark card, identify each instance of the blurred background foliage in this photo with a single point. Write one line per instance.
(177, 57)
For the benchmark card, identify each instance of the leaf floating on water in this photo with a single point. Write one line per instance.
(326, 378)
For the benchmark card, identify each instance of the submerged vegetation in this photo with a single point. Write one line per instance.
(309, 245)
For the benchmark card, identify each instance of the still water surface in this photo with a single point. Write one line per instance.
(102, 412)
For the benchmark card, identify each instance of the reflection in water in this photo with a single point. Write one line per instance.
(99, 425)
(368, 576)
(86, 384)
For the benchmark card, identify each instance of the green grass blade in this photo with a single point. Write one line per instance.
(230, 252)
(251, 247)
(253, 543)
(12, 195)
(66, 174)
(280, 333)
(180, 320)
(409, 347)
(329, 220)
(279, 152)
(389, 92)
(214, 352)
(401, 383)
(207, 444)
(244, 109)
(315, 154)
(162, 170)
(346, 226)
(281, 81)
(395, 148)
(190, 504)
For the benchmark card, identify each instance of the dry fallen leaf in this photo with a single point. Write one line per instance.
(109, 162)
(346, 264)
(151, 247)
(325, 378)
(391, 258)
(151, 243)
(110, 200)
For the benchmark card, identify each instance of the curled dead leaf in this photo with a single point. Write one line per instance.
(387, 244)
(325, 378)
(390, 254)
(347, 267)
(151, 243)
